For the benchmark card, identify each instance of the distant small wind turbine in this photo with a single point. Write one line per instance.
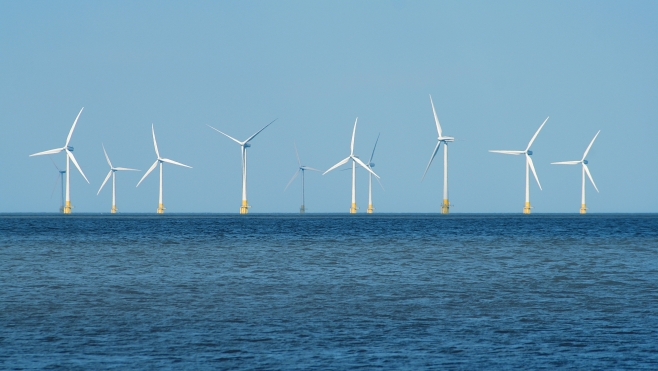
(528, 164)
(60, 179)
(370, 166)
(355, 160)
(445, 207)
(69, 156)
(159, 161)
(300, 169)
(111, 173)
(244, 208)
(585, 169)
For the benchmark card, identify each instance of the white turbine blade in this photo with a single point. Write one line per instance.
(297, 154)
(353, 133)
(436, 149)
(293, 178)
(174, 162)
(536, 133)
(148, 172)
(155, 143)
(228, 136)
(123, 169)
(532, 167)
(342, 162)
(309, 168)
(373, 149)
(106, 157)
(566, 163)
(70, 154)
(105, 181)
(73, 127)
(380, 184)
(507, 152)
(590, 176)
(258, 132)
(436, 119)
(48, 152)
(358, 161)
(590, 144)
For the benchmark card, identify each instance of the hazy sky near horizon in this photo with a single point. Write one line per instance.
(495, 70)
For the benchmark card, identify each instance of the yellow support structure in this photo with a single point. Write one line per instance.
(526, 209)
(353, 208)
(67, 207)
(583, 209)
(161, 209)
(370, 209)
(445, 207)
(244, 209)
(114, 209)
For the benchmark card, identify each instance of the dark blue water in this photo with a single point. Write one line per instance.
(410, 292)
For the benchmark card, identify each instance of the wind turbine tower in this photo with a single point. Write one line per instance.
(370, 166)
(585, 170)
(159, 160)
(69, 156)
(300, 169)
(112, 172)
(355, 160)
(528, 166)
(244, 208)
(445, 206)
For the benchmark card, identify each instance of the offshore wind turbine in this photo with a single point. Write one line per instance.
(159, 160)
(112, 172)
(244, 208)
(528, 164)
(370, 166)
(585, 169)
(445, 206)
(300, 169)
(355, 160)
(69, 156)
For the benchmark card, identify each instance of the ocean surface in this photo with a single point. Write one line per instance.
(328, 292)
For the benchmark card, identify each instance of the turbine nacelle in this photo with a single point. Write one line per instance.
(69, 148)
(585, 162)
(372, 164)
(246, 145)
(529, 153)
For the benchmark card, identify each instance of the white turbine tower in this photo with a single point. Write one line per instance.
(355, 160)
(300, 169)
(244, 208)
(445, 206)
(159, 161)
(528, 164)
(111, 173)
(370, 166)
(585, 169)
(69, 156)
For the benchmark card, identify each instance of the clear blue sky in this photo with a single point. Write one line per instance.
(494, 69)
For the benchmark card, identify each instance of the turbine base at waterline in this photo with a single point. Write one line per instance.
(302, 209)
(160, 209)
(583, 209)
(445, 207)
(526, 208)
(114, 209)
(370, 209)
(244, 209)
(67, 208)
(353, 209)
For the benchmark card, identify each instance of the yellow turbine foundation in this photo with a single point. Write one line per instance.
(526, 209)
(244, 209)
(161, 209)
(302, 209)
(67, 207)
(353, 208)
(583, 209)
(370, 209)
(445, 207)
(114, 209)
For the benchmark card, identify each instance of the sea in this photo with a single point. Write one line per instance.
(328, 292)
